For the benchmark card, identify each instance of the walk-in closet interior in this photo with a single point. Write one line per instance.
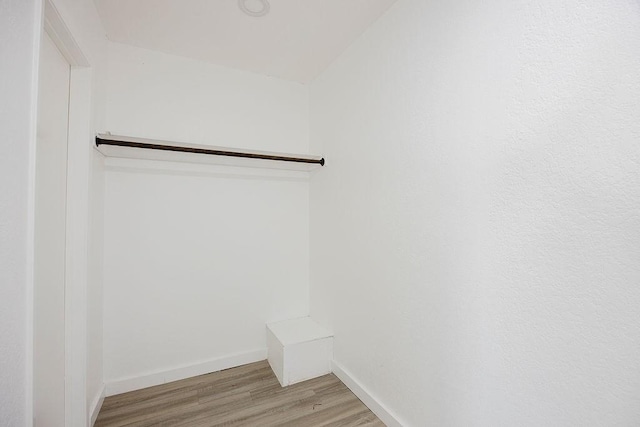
(319, 213)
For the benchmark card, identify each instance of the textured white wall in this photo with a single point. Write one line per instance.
(475, 235)
(198, 259)
(19, 37)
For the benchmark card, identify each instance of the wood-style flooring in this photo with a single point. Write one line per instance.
(249, 395)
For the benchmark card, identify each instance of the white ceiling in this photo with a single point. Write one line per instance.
(297, 40)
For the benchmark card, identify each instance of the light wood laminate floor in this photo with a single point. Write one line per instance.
(249, 395)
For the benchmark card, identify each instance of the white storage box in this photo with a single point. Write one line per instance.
(298, 350)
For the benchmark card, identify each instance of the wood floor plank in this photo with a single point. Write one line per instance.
(248, 396)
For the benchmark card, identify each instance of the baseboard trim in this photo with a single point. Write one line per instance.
(149, 380)
(96, 405)
(385, 415)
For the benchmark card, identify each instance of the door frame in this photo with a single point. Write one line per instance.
(77, 218)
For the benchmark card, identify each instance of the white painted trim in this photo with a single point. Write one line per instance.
(159, 167)
(96, 405)
(77, 205)
(382, 412)
(55, 26)
(77, 239)
(124, 385)
(31, 220)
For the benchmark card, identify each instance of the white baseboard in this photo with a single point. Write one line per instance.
(96, 405)
(385, 415)
(149, 380)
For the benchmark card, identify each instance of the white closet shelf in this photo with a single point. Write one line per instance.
(150, 149)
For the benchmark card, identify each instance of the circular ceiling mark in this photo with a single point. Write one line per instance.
(255, 8)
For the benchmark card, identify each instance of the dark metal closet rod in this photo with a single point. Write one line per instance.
(214, 152)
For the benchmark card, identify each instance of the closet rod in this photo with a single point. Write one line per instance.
(213, 151)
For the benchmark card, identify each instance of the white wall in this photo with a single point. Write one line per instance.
(475, 234)
(155, 95)
(198, 258)
(19, 39)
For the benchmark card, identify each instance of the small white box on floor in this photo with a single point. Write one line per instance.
(299, 350)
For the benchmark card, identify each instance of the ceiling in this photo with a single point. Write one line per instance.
(296, 41)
